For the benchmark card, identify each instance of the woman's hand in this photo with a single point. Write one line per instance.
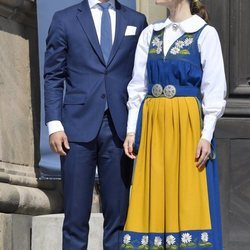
(203, 152)
(128, 145)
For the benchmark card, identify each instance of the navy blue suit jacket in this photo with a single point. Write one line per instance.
(74, 57)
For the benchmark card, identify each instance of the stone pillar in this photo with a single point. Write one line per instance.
(151, 10)
(20, 190)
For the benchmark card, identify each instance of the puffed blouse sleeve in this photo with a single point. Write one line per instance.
(213, 85)
(137, 87)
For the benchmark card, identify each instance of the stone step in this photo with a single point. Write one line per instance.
(22, 232)
(15, 231)
(47, 232)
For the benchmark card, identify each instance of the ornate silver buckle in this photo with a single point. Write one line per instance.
(169, 91)
(157, 90)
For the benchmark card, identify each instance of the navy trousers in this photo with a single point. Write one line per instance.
(78, 173)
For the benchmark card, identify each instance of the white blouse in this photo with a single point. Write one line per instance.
(213, 85)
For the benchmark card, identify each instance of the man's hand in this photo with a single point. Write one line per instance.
(59, 143)
(203, 152)
(128, 145)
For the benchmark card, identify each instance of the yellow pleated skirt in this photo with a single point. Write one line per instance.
(169, 194)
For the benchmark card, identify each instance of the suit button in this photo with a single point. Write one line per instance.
(103, 96)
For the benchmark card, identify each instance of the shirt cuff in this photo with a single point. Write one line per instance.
(54, 126)
(209, 127)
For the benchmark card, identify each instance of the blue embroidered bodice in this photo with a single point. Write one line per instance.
(181, 67)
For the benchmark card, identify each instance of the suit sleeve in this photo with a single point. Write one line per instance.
(145, 23)
(54, 70)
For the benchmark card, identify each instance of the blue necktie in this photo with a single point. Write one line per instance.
(106, 33)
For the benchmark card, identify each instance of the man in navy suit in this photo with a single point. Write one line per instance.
(90, 55)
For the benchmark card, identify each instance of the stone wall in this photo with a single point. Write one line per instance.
(151, 10)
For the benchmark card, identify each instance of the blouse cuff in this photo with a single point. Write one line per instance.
(209, 127)
(132, 120)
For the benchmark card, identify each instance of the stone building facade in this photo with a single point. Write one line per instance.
(25, 202)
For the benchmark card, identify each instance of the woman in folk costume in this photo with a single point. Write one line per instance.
(179, 83)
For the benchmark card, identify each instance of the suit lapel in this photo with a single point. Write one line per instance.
(121, 25)
(85, 19)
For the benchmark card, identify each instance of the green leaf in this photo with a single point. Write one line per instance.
(205, 244)
(129, 246)
(143, 247)
(184, 52)
(174, 247)
(152, 51)
(155, 248)
(191, 244)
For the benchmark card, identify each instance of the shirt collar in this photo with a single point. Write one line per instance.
(190, 25)
(93, 3)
